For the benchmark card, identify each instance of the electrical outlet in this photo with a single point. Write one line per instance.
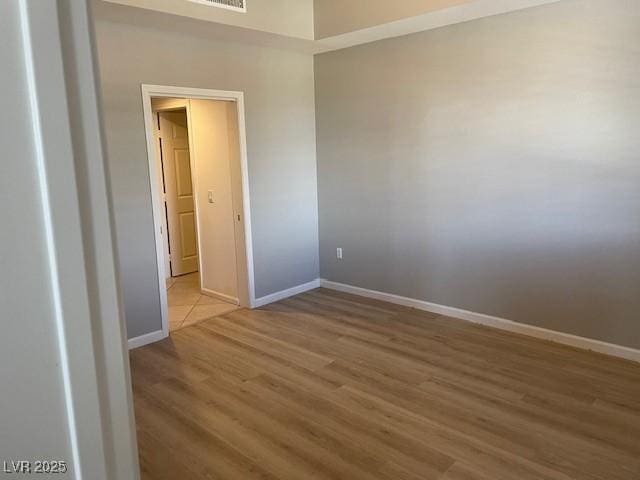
(339, 253)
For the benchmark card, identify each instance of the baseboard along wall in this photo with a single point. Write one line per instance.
(491, 321)
(289, 292)
(474, 317)
(146, 339)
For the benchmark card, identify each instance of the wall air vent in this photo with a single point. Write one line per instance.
(235, 5)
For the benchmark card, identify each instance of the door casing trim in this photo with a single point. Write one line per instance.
(151, 91)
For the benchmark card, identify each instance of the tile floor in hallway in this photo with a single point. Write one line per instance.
(187, 306)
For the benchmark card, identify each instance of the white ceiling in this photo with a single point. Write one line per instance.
(462, 12)
(269, 26)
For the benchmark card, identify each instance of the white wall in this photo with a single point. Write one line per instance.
(212, 157)
(33, 415)
(63, 370)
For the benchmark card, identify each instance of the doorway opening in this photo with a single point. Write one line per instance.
(199, 181)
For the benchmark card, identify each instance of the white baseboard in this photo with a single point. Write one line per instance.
(496, 322)
(289, 292)
(146, 339)
(221, 296)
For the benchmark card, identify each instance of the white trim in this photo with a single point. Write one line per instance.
(34, 83)
(289, 292)
(491, 321)
(156, 200)
(146, 339)
(221, 296)
(149, 91)
(246, 201)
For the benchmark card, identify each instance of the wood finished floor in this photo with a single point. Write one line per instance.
(327, 385)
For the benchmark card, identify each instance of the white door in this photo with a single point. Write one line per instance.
(180, 212)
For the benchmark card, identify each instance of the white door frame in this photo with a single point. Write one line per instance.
(149, 92)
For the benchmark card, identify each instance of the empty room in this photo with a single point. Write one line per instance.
(320, 239)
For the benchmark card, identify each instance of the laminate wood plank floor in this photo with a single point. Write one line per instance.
(327, 385)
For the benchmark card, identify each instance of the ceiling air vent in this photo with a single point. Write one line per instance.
(236, 5)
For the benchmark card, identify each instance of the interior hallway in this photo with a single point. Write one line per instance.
(187, 306)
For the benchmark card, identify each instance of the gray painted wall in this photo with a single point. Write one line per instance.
(33, 416)
(492, 166)
(279, 102)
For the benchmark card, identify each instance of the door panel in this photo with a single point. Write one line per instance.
(188, 235)
(179, 192)
(183, 174)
